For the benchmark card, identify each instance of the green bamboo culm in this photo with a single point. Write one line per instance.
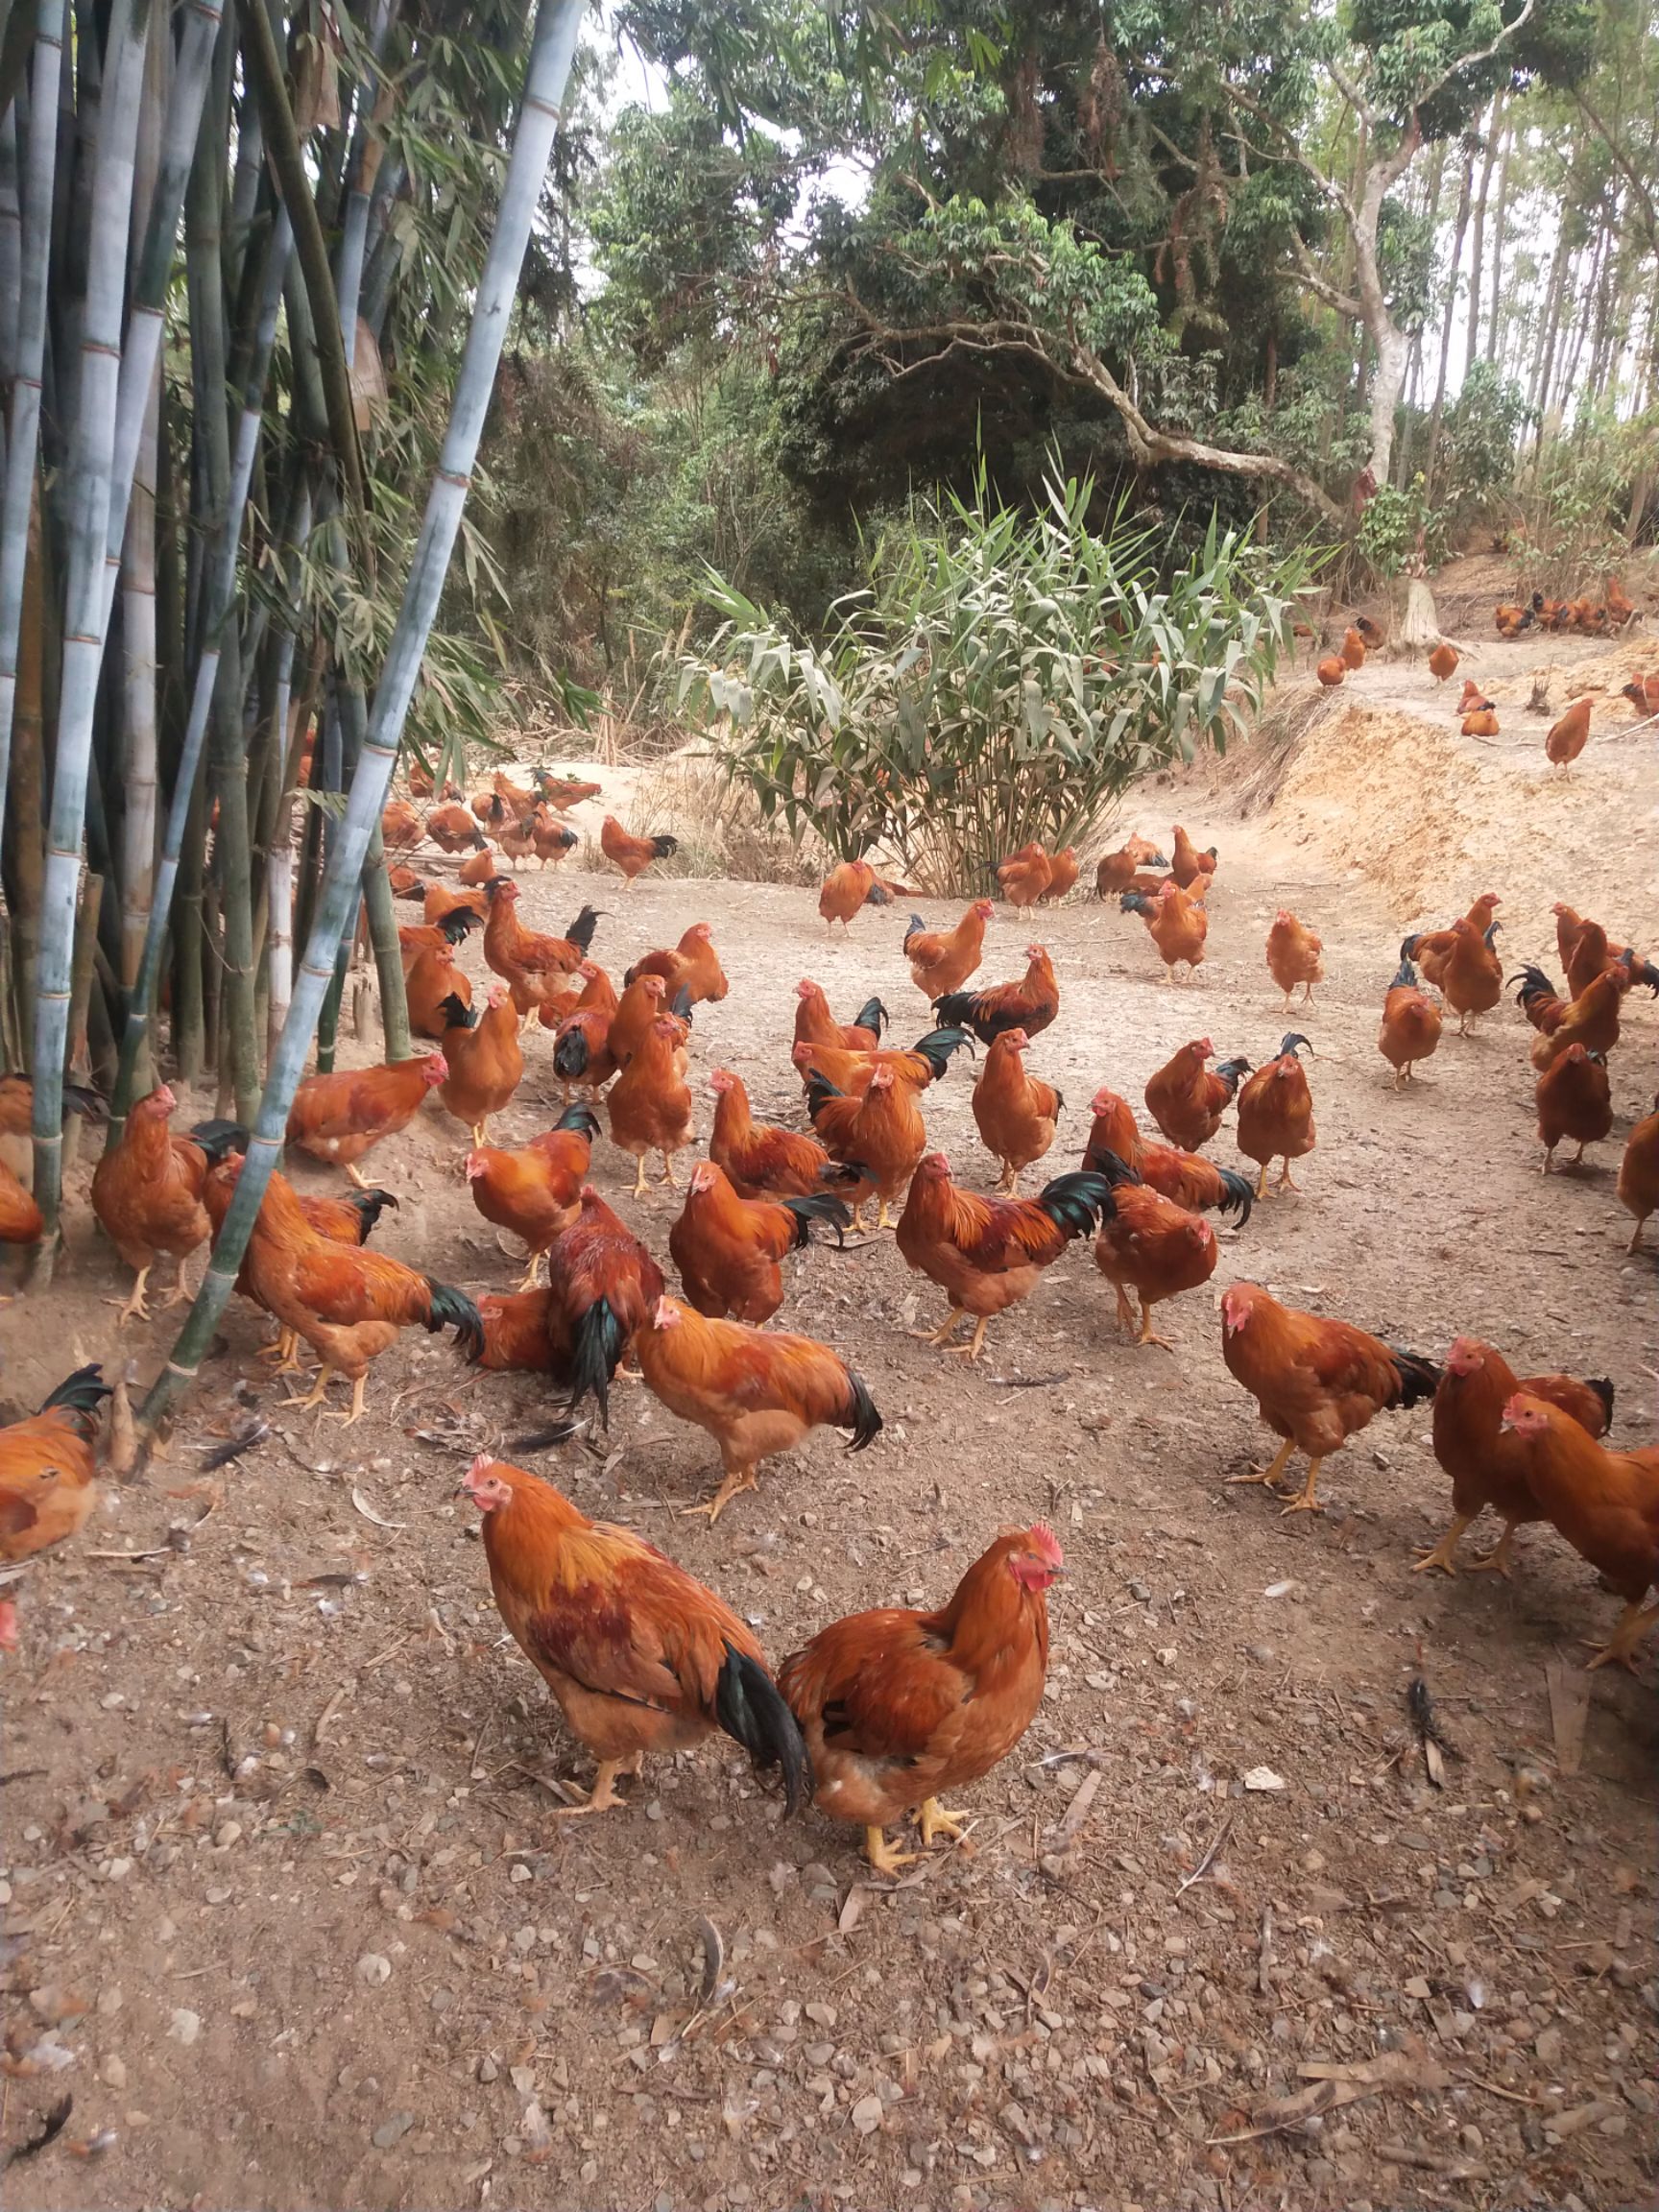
(38, 170)
(558, 24)
(92, 454)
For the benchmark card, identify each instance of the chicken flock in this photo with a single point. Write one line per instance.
(889, 1713)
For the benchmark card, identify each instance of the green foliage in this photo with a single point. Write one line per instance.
(1577, 509)
(1395, 526)
(1001, 677)
(1477, 459)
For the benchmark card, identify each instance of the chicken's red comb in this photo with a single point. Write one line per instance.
(481, 1465)
(1047, 1543)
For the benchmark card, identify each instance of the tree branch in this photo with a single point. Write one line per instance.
(1344, 302)
(1650, 207)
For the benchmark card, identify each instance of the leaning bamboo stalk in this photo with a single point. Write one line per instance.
(23, 427)
(378, 901)
(91, 458)
(139, 689)
(558, 25)
(362, 168)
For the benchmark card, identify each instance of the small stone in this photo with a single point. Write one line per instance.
(866, 2114)
(113, 2074)
(374, 1970)
(392, 2130)
(520, 1873)
(820, 2014)
(522, 2078)
(187, 2026)
(109, 2002)
(1548, 2046)
(227, 1833)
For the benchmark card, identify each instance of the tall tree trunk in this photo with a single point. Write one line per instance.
(1431, 460)
(1495, 317)
(1543, 357)
(1477, 247)
(1588, 295)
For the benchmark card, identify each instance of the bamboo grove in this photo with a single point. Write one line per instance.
(255, 275)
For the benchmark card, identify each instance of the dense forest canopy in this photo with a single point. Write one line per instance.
(1387, 270)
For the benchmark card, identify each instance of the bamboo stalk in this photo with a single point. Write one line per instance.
(139, 687)
(23, 426)
(381, 911)
(558, 25)
(10, 247)
(81, 972)
(91, 460)
(25, 838)
(361, 171)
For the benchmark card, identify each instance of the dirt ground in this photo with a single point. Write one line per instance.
(285, 1910)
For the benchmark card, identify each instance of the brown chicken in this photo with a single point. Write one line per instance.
(535, 1192)
(1149, 1244)
(757, 1392)
(1276, 1114)
(1293, 957)
(928, 1061)
(762, 1162)
(632, 856)
(1063, 872)
(726, 1248)
(638, 1655)
(1643, 694)
(550, 838)
(1411, 1031)
(1192, 1182)
(452, 828)
(349, 1306)
(1187, 1099)
(1175, 921)
(483, 1063)
(1116, 871)
(1605, 1503)
(986, 1254)
(1443, 663)
(1574, 1104)
(433, 987)
(1539, 1000)
(529, 963)
(650, 1104)
(1591, 1020)
(1353, 649)
(815, 1024)
(49, 1466)
(942, 960)
(524, 1333)
(1586, 949)
(338, 1118)
(1317, 1382)
(147, 1192)
(1331, 671)
(1474, 699)
(21, 1220)
(1014, 1113)
(853, 884)
(901, 1708)
(1566, 738)
(1185, 861)
(406, 882)
(439, 900)
(881, 1135)
(1471, 979)
(1433, 948)
(1639, 1175)
(439, 937)
(400, 828)
(1514, 620)
(481, 866)
(1484, 1461)
(1479, 722)
(562, 792)
(1029, 1005)
(582, 1042)
(604, 1285)
(692, 966)
(1620, 607)
(1024, 876)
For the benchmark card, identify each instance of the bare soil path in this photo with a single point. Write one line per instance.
(284, 1909)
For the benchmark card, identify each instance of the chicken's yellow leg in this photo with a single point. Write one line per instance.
(1305, 1502)
(741, 1479)
(355, 1175)
(1445, 1552)
(1268, 1476)
(1634, 1624)
(946, 1329)
(1261, 1182)
(976, 1342)
(1498, 1560)
(180, 1289)
(884, 1857)
(601, 1797)
(135, 1306)
(639, 1179)
(358, 1388)
(1146, 1335)
(535, 1275)
(935, 1820)
(325, 1376)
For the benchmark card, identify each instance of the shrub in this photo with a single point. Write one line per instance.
(1001, 675)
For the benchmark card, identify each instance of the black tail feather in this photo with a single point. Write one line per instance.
(872, 1016)
(545, 1439)
(825, 1209)
(581, 931)
(571, 1056)
(1408, 945)
(218, 1137)
(457, 1016)
(452, 1308)
(1136, 903)
(1603, 1390)
(1405, 977)
(1419, 1377)
(681, 1006)
(92, 1107)
(859, 1413)
(750, 1708)
(956, 1010)
(937, 1046)
(80, 1394)
(914, 928)
(582, 1117)
(458, 924)
(1237, 1196)
(1290, 1041)
(1231, 1072)
(878, 894)
(663, 847)
(600, 1341)
(819, 1088)
(369, 1206)
(1075, 1202)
